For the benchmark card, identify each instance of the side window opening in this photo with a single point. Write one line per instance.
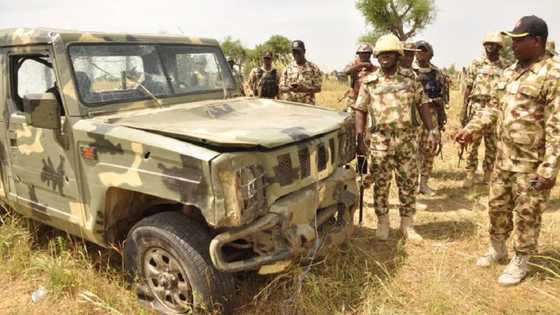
(32, 74)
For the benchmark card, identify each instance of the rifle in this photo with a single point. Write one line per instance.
(461, 153)
(361, 169)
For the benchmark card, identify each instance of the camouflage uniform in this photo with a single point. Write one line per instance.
(481, 77)
(307, 75)
(356, 78)
(238, 77)
(389, 101)
(426, 158)
(253, 81)
(526, 110)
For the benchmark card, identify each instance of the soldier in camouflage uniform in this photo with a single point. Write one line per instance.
(526, 109)
(388, 97)
(237, 76)
(436, 87)
(301, 79)
(551, 49)
(358, 69)
(480, 80)
(259, 77)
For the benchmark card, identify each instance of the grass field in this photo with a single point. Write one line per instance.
(366, 276)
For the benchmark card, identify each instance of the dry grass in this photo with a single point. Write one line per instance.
(365, 276)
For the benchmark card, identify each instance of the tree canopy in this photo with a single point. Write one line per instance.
(404, 18)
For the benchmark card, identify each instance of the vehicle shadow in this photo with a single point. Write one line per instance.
(363, 262)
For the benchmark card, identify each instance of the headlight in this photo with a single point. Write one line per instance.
(244, 193)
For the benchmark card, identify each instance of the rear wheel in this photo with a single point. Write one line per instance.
(166, 255)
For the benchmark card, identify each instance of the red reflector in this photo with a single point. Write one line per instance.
(89, 153)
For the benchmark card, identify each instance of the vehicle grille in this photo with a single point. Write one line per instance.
(314, 158)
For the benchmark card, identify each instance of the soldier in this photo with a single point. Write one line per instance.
(551, 49)
(480, 80)
(301, 79)
(526, 109)
(437, 89)
(237, 76)
(263, 81)
(358, 69)
(407, 59)
(387, 96)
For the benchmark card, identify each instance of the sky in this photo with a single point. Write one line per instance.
(329, 28)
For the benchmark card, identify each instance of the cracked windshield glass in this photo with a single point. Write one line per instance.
(122, 73)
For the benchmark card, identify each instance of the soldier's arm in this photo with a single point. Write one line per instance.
(361, 109)
(485, 117)
(469, 82)
(251, 82)
(283, 86)
(422, 102)
(316, 81)
(548, 169)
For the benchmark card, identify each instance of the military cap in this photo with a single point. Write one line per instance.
(494, 37)
(267, 55)
(298, 45)
(364, 48)
(425, 45)
(529, 26)
(409, 47)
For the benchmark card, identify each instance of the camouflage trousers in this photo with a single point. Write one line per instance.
(512, 200)
(394, 152)
(490, 150)
(490, 144)
(425, 159)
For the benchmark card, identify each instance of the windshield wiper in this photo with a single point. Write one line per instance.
(146, 91)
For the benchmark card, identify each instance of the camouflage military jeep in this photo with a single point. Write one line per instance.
(140, 141)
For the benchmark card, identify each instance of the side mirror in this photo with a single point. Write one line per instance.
(42, 111)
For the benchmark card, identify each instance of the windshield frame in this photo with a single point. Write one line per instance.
(164, 99)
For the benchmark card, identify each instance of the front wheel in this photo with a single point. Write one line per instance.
(167, 256)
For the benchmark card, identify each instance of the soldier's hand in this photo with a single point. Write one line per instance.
(540, 183)
(434, 141)
(463, 137)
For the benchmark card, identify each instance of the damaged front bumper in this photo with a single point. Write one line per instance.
(303, 223)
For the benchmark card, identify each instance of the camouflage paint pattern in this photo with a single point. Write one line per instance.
(389, 102)
(234, 160)
(307, 75)
(526, 110)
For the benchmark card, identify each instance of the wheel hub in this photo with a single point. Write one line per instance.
(167, 280)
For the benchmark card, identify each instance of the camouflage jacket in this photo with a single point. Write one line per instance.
(238, 77)
(307, 75)
(254, 79)
(389, 100)
(526, 109)
(482, 76)
(356, 76)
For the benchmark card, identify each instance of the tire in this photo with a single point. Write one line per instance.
(166, 256)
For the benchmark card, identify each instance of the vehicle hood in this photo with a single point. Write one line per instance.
(239, 122)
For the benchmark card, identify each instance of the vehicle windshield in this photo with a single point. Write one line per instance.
(111, 73)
